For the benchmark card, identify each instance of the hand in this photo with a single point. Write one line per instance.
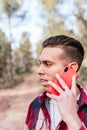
(67, 102)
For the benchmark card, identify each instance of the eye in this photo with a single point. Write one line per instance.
(47, 64)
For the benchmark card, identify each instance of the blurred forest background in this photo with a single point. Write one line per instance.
(21, 37)
(24, 24)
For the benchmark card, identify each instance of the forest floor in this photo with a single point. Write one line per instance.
(14, 102)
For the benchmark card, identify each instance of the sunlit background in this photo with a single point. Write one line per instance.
(24, 24)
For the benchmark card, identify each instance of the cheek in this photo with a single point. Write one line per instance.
(54, 70)
(52, 73)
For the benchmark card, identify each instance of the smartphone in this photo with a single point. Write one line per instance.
(66, 75)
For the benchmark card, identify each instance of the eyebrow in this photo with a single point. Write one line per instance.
(45, 61)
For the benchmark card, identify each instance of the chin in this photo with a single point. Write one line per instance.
(46, 88)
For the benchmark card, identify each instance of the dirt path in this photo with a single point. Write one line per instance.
(14, 103)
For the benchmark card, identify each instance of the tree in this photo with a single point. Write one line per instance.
(38, 48)
(22, 55)
(4, 57)
(49, 4)
(9, 7)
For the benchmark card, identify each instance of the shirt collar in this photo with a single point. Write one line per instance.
(83, 96)
(42, 97)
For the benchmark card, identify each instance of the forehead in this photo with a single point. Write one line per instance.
(51, 53)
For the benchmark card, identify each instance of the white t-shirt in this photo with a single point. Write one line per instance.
(54, 113)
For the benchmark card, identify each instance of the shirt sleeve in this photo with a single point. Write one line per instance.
(83, 127)
(28, 113)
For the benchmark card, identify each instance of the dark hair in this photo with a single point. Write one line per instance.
(72, 47)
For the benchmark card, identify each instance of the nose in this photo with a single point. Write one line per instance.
(40, 70)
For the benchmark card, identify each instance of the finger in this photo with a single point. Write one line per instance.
(73, 88)
(52, 96)
(56, 87)
(62, 82)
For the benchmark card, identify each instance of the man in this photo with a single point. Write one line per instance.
(68, 110)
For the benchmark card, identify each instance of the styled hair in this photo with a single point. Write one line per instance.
(72, 48)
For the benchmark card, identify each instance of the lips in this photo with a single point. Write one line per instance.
(44, 82)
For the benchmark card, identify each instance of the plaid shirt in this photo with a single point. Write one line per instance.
(38, 117)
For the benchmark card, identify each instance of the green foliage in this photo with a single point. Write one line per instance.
(23, 56)
(38, 48)
(11, 83)
(4, 53)
(10, 6)
(22, 60)
(49, 4)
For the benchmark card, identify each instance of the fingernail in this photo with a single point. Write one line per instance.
(57, 75)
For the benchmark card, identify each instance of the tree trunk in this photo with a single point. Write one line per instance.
(10, 52)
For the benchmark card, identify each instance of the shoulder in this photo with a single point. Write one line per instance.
(32, 109)
(38, 101)
(35, 103)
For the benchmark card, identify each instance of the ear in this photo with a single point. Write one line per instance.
(74, 66)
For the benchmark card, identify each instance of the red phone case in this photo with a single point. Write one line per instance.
(66, 75)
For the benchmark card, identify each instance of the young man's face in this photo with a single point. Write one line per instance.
(52, 61)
